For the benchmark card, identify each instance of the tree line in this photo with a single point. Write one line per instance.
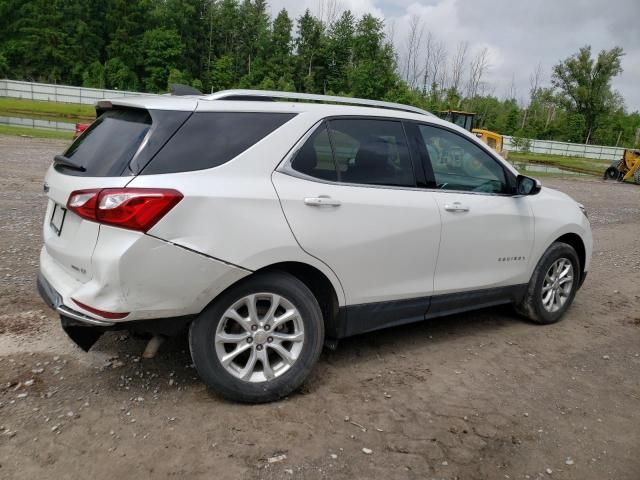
(146, 45)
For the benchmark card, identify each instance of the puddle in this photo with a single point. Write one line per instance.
(538, 168)
(37, 123)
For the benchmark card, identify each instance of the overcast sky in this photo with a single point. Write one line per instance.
(518, 34)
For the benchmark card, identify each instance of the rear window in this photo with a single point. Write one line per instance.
(108, 145)
(209, 139)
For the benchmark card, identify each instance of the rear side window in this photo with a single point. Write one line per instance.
(108, 145)
(315, 157)
(372, 152)
(209, 139)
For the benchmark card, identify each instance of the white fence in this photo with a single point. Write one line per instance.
(58, 93)
(89, 96)
(598, 152)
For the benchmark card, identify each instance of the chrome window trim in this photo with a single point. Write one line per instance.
(286, 168)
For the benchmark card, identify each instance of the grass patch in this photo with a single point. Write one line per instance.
(573, 164)
(34, 132)
(51, 110)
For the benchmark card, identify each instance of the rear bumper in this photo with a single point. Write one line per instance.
(85, 331)
(54, 300)
(139, 274)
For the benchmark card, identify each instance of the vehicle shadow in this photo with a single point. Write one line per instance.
(482, 323)
(172, 367)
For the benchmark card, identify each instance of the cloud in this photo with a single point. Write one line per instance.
(519, 35)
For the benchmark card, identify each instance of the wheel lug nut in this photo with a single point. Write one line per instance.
(267, 327)
(250, 339)
(254, 327)
(270, 339)
(258, 347)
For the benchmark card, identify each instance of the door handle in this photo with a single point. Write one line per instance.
(456, 207)
(322, 201)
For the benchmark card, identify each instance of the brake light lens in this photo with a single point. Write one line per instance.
(132, 208)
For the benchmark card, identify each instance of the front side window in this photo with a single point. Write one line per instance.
(459, 164)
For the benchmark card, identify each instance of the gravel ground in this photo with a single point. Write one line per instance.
(482, 395)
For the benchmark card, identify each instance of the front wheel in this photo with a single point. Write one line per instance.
(553, 285)
(259, 340)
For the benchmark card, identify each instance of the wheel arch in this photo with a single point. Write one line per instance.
(575, 241)
(320, 285)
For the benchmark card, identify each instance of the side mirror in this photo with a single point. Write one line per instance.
(527, 185)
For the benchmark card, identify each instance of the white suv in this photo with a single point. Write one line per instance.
(273, 223)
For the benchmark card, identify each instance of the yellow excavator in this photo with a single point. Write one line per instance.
(465, 120)
(626, 168)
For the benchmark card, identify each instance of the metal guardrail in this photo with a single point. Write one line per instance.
(58, 93)
(89, 96)
(566, 149)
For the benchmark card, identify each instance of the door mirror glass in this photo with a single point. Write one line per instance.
(528, 185)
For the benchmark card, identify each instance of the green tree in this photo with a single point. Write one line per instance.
(308, 45)
(280, 65)
(161, 49)
(222, 73)
(118, 75)
(373, 73)
(339, 52)
(93, 76)
(585, 84)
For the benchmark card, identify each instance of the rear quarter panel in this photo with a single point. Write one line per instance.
(232, 212)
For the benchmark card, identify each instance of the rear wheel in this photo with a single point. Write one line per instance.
(552, 286)
(259, 341)
(611, 173)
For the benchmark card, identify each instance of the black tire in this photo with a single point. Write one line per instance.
(203, 330)
(531, 305)
(611, 173)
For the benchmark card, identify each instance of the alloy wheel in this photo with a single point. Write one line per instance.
(259, 337)
(557, 285)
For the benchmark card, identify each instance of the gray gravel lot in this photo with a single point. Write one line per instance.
(482, 395)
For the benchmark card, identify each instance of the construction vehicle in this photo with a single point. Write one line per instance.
(465, 120)
(626, 168)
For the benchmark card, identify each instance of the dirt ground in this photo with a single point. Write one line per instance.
(482, 395)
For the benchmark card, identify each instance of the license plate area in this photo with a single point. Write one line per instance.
(57, 218)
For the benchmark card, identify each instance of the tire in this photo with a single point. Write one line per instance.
(611, 173)
(637, 176)
(533, 304)
(210, 331)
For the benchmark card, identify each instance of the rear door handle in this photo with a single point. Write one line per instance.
(322, 201)
(456, 207)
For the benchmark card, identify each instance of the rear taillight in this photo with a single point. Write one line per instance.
(132, 208)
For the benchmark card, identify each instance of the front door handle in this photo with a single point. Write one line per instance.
(322, 201)
(456, 207)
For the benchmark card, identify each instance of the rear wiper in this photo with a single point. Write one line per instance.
(67, 162)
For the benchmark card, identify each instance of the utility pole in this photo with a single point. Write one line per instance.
(618, 140)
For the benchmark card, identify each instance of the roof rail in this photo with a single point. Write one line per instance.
(267, 95)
